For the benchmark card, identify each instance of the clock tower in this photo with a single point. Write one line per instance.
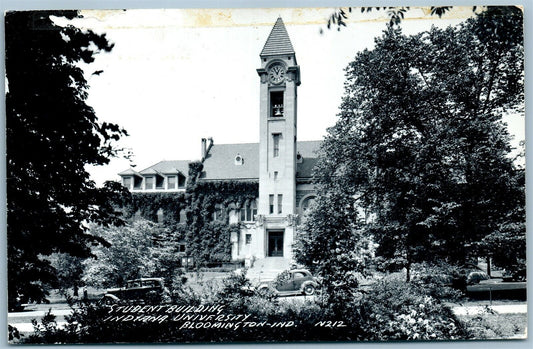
(279, 78)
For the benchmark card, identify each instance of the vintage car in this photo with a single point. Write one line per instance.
(291, 282)
(144, 290)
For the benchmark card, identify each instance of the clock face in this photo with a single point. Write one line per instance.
(276, 74)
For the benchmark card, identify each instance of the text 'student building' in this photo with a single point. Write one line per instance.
(279, 163)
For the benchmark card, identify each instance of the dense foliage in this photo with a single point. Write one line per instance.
(51, 136)
(138, 249)
(393, 310)
(210, 203)
(396, 310)
(159, 222)
(421, 146)
(147, 205)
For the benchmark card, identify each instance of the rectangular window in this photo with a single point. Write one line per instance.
(276, 104)
(126, 181)
(248, 239)
(275, 175)
(149, 183)
(275, 140)
(271, 203)
(171, 182)
(280, 203)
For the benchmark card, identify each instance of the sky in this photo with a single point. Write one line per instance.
(176, 76)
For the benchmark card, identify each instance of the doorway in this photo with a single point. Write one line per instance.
(275, 243)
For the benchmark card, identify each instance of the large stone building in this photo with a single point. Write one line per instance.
(279, 163)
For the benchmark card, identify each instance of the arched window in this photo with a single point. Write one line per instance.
(306, 202)
(249, 211)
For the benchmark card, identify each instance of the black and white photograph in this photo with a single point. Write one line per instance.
(266, 175)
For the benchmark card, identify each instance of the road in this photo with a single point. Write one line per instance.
(22, 320)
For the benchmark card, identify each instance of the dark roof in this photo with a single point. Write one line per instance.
(308, 150)
(278, 42)
(168, 167)
(220, 162)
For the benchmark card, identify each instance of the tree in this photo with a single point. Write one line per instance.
(395, 13)
(420, 144)
(52, 134)
(138, 249)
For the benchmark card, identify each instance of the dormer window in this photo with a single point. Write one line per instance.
(127, 181)
(149, 182)
(238, 160)
(276, 104)
(171, 182)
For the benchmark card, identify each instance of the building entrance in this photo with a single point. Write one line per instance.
(275, 243)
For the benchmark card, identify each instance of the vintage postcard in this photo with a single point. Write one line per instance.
(346, 174)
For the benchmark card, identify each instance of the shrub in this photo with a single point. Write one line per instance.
(396, 310)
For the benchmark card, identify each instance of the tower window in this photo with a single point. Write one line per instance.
(275, 138)
(280, 203)
(276, 104)
(271, 203)
(275, 175)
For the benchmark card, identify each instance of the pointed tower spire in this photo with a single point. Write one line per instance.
(278, 42)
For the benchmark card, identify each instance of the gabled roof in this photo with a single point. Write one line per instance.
(220, 162)
(129, 172)
(278, 42)
(168, 167)
(162, 167)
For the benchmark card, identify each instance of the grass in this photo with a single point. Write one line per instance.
(489, 325)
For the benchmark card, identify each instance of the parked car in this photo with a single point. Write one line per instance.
(517, 274)
(291, 282)
(144, 290)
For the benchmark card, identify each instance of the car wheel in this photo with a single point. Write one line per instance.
(262, 291)
(309, 290)
(109, 300)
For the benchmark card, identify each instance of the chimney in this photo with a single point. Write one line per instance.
(204, 148)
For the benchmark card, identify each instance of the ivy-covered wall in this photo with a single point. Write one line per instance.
(206, 235)
(209, 239)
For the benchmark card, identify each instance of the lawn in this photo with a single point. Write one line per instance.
(490, 325)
